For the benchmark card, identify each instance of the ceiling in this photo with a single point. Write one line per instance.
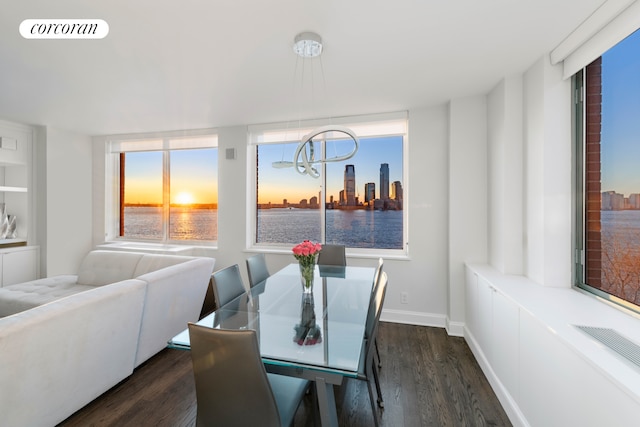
(168, 65)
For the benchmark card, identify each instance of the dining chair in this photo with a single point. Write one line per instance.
(367, 370)
(332, 255)
(232, 386)
(257, 269)
(227, 284)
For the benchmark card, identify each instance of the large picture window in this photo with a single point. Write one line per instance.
(358, 202)
(168, 189)
(609, 175)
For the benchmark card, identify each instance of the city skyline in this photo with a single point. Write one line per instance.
(274, 185)
(612, 200)
(390, 198)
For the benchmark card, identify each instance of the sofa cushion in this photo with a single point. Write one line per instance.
(103, 267)
(23, 296)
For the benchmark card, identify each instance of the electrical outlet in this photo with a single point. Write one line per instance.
(404, 298)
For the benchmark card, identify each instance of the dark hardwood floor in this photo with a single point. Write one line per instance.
(428, 379)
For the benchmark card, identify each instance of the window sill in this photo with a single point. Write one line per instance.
(350, 253)
(156, 248)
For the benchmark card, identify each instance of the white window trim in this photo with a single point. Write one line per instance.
(373, 125)
(173, 140)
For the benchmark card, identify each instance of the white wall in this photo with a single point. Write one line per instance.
(67, 200)
(467, 171)
(548, 193)
(506, 176)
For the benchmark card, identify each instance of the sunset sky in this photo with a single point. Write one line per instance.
(620, 144)
(194, 176)
(194, 173)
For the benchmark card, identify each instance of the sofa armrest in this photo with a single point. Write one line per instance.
(174, 297)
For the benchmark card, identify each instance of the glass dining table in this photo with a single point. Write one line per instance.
(317, 336)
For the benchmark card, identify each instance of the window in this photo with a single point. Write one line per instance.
(358, 202)
(167, 189)
(609, 177)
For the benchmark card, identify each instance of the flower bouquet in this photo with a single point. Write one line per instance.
(306, 253)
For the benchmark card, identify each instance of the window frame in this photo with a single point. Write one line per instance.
(169, 141)
(583, 232)
(273, 134)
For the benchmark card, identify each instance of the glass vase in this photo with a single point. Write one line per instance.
(306, 277)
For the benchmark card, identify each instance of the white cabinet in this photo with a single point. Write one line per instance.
(545, 372)
(560, 388)
(505, 337)
(493, 322)
(19, 264)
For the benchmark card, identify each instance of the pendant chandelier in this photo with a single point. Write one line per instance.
(308, 46)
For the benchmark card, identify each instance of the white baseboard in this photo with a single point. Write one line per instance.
(455, 329)
(413, 318)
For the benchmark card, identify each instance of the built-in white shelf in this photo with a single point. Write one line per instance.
(12, 189)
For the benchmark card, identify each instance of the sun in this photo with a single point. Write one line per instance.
(184, 198)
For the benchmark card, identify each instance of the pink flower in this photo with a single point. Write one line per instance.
(306, 251)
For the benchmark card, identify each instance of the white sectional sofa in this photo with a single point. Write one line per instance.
(65, 340)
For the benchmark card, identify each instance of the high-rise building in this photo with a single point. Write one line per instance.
(350, 185)
(612, 201)
(369, 192)
(396, 191)
(384, 181)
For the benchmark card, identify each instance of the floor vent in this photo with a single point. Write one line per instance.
(616, 342)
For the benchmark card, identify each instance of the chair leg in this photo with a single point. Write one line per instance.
(378, 389)
(378, 353)
(374, 410)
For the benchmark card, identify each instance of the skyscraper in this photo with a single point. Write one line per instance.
(396, 190)
(369, 192)
(350, 185)
(384, 181)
